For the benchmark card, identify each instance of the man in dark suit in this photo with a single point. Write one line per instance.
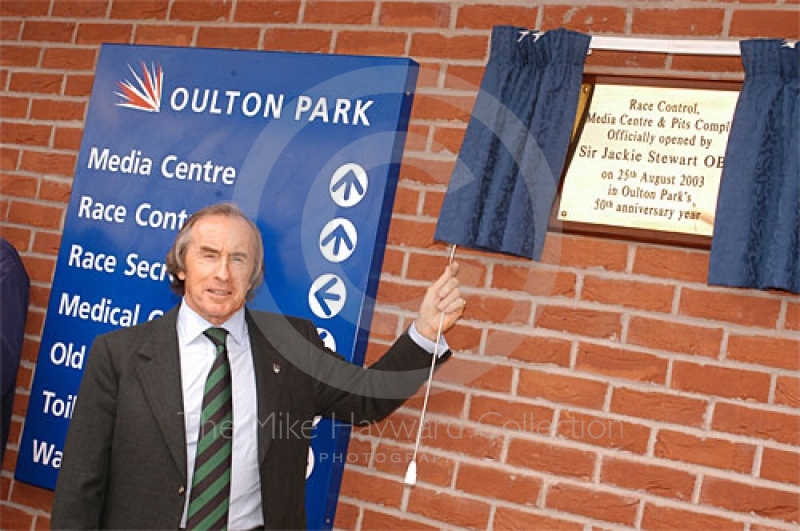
(136, 454)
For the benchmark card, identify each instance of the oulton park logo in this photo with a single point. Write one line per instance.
(145, 93)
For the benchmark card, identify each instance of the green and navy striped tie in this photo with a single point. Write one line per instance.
(211, 483)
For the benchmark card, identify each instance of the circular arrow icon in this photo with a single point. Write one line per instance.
(327, 296)
(338, 239)
(348, 184)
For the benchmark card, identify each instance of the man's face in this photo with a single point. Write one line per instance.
(220, 260)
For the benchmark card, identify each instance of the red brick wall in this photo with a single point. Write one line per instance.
(607, 387)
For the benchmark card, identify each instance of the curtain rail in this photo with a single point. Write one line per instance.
(674, 46)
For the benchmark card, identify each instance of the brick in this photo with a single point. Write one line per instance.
(371, 488)
(745, 498)
(498, 484)
(674, 337)
(406, 201)
(55, 191)
(10, 30)
(371, 43)
(403, 296)
(706, 451)
(200, 10)
(414, 14)
(684, 21)
(36, 215)
(484, 16)
(447, 140)
(48, 31)
(562, 389)
(758, 423)
(432, 203)
(761, 23)
(657, 480)
(445, 47)
(511, 416)
(38, 298)
(14, 518)
(787, 391)
(464, 338)
(98, 33)
(14, 107)
(164, 35)
(267, 12)
(417, 138)
(720, 381)
(52, 110)
(79, 85)
(411, 233)
(139, 9)
(17, 236)
(428, 74)
(593, 504)
(605, 432)
(497, 310)
(428, 267)
(658, 518)
(30, 496)
(227, 37)
(300, 40)
(69, 58)
(468, 373)
(24, 8)
(444, 507)
(765, 350)
(621, 363)
(442, 107)
(48, 163)
(346, 516)
(39, 270)
(792, 316)
(38, 83)
(426, 171)
(18, 185)
(707, 63)
(535, 280)
(67, 138)
(584, 252)
(431, 468)
(639, 295)
(455, 437)
(42, 523)
(20, 55)
(460, 77)
(441, 402)
(507, 519)
(726, 306)
(595, 19)
(658, 406)
(381, 521)
(25, 134)
(579, 321)
(781, 466)
(80, 9)
(339, 12)
(393, 262)
(9, 158)
(532, 349)
(660, 262)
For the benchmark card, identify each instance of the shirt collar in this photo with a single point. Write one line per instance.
(191, 325)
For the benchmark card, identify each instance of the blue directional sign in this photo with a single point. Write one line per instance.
(308, 145)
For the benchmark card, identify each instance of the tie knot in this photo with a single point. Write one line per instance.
(217, 336)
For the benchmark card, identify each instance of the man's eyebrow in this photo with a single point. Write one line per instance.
(208, 248)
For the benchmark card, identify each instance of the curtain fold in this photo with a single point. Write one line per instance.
(509, 167)
(755, 241)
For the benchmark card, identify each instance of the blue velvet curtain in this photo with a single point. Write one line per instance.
(508, 170)
(755, 242)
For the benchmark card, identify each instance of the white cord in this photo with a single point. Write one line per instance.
(411, 472)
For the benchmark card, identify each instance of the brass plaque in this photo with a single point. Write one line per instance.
(649, 158)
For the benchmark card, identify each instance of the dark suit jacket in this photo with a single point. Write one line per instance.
(124, 464)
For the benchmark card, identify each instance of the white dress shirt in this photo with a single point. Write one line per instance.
(197, 354)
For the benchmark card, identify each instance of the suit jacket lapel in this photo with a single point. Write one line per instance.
(270, 368)
(160, 374)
